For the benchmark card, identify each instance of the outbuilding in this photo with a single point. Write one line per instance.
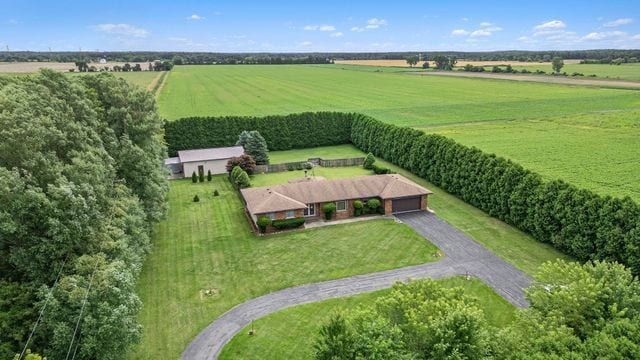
(201, 161)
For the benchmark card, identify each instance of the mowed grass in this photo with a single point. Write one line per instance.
(327, 173)
(209, 246)
(291, 333)
(600, 152)
(324, 152)
(516, 247)
(623, 71)
(402, 99)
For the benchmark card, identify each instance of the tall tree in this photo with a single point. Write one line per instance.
(557, 64)
(412, 60)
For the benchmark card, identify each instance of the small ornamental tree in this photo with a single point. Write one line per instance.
(216, 192)
(557, 64)
(196, 199)
(208, 175)
(201, 176)
(357, 208)
(373, 205)
(262, 223)
(328, 209)
(368, 161)
(235, 172)
(194, 177)
(243, 180)
(245, 162)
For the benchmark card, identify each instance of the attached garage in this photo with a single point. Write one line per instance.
(406, 204)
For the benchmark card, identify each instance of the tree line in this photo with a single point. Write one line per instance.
(281, 132)
(81, 184)
(576, 221)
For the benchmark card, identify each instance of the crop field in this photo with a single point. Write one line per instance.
(600, 151)
(461, 62)
(290, 333)
(623, 71)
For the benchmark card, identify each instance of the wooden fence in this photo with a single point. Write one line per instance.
(299, 165)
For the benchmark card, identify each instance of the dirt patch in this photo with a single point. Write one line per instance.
(539, 78)
(403, 63)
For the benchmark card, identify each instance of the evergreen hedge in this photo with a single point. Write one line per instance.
(282, 132)
(288, 223)
(576, 221)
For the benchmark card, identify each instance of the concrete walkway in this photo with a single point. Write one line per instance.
(463, 256)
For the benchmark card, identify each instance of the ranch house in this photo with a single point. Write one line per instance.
(201, 161)
(305, 197)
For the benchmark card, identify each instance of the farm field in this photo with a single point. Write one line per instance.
(460, 63)
(34, 66)
(623, 71)
(600, 152)
(142, 79)
(208, 245)
(405, 100)
(514, 246)
(290, 333)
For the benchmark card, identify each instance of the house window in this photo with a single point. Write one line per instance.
(310, 210)
(341, 205)
(291, 214)
(272, 216)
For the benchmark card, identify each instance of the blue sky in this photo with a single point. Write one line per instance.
(304, 26)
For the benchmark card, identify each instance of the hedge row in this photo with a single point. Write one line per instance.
(578, 222)
(282, 132)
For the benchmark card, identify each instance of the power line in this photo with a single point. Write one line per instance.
(84, 302)
(42, 310)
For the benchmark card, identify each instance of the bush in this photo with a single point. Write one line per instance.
(328, 209)
(291, 166)
(373, 205)
(245, 162)
(209, 175)
(368, 161)
(196, 199)
(201, 176)
(281, 132)
(357, 208)
(288, 223)
(577, 74)
(380, 170)
(307, 165)
(239, 178)
(216, 193)
(262, 223)
(194, 177)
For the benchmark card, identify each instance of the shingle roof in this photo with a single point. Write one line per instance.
(210, 154)
(269, 199)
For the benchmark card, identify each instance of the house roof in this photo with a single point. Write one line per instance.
(291, 196)
(210, 154)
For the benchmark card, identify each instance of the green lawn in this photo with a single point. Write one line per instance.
(290, 333)
(511, 244)
(209, 246)
(600, 152)
(624, 71)
(407, 100)
(324, 152)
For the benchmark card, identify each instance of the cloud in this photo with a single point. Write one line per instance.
(357, 29)
(121, 29)
(178, 39)
(464, 19)
(336, 34)
(636, 37)
(550, 25)
(485, 24)
(605, 35)
(375, 23)
(459, 32)
(195, 17)
(320, 28)
(618, 22)
(305, 43)
(480, 32)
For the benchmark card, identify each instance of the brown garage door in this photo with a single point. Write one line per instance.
(406, 204)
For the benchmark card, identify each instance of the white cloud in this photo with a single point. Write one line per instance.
(121, 29)
(320, 28)
(550, 25)
(195, 17)
(485, 24)
(305, 43)
(178, 39)
(336, 34)
(357, 29)
(636, 37)
(464, 19)
(605, 35)
(375, 23)
(459, 32)
(618, 22)
(481, 32)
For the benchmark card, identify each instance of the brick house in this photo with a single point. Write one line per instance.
(305, 197)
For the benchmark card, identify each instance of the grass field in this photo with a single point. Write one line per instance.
(623, 71)
(600, 152)
(406, 100)
(290, 334)
(209, 246)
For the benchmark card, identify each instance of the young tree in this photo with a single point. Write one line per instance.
(201, 176)
(243, 180)
(425, 65)
(244, 161)
(209, 175)
(262, 223)
(256, 146)
(194, 177)
(412, 60)
(369, 160)
(557, 64)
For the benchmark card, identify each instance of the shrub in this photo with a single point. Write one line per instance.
(262, 223)
(328, 209)
(208, 175)
(368, 161)
(288, 223)
(196, 199)
(357, 208)
(381, 170)
(201, 176)
(243, 180)
(291, 166)
(307, 165)
(194, 177)
(577, 74)
(216, 193)
(373, 205)
(244, 161)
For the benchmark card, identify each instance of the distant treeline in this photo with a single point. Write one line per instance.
(180, 58)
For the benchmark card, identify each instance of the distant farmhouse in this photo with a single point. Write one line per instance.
(201, 161)
(304, 198)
